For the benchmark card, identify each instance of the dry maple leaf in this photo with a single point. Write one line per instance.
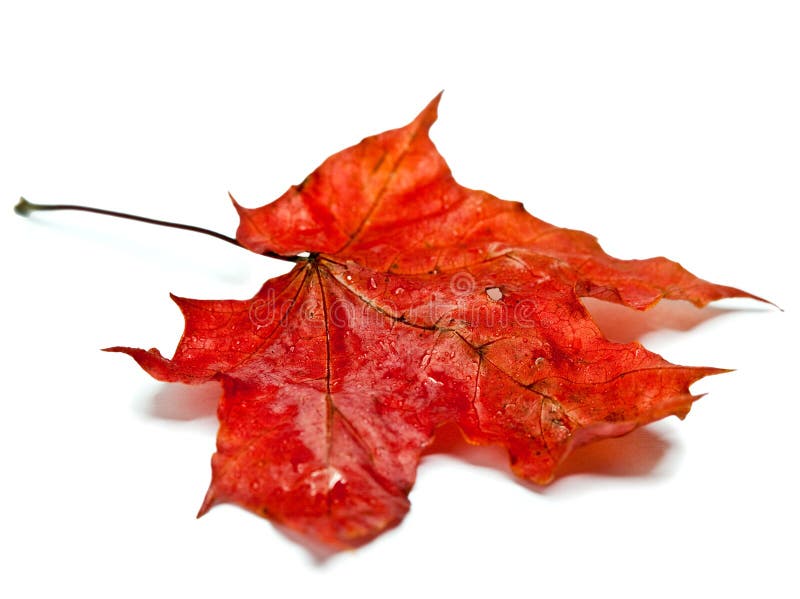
(421, 303)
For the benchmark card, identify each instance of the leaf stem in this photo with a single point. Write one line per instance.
(25, 208)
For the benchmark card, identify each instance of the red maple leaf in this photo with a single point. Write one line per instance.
(420, 303)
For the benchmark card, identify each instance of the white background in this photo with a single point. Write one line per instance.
(661, 127)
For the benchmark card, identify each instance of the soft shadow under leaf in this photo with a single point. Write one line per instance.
(636, 454)
(623, 325)
(185, 402)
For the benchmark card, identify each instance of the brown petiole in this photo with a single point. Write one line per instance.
(25, 208)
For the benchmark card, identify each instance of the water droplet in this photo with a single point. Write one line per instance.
(372, 283)
(494, 293)
(425, 360)
(323, 480)
(349, 278)
(539, 361)
(398, 291)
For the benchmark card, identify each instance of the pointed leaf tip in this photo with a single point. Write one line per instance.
(242, 211)
(208, 502)
(430, 113)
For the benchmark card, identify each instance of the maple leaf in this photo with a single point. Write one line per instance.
(421, 303)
